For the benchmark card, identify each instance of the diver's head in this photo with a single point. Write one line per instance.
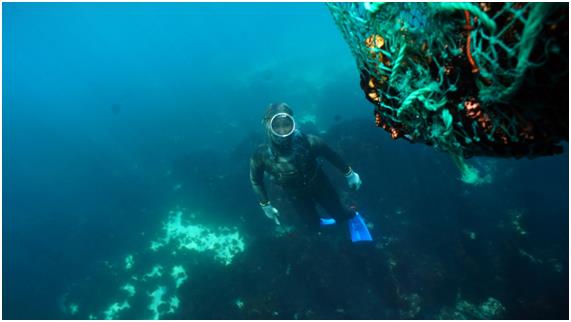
(279, 123)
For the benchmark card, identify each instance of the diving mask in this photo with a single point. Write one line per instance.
(282, 125)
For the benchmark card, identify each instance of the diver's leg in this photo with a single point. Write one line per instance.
(304, 206)
(327, 197)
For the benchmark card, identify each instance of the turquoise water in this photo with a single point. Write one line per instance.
(127, 135)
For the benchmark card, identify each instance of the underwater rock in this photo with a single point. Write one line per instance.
(307, 118)
(412, 306)
(464, 310)
(516, 216)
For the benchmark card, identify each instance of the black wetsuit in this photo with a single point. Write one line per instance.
(296, 169)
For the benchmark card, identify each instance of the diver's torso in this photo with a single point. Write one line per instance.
(294, 167)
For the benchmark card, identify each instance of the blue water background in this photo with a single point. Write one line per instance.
(103, 103)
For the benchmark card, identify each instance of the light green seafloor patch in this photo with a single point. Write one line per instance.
(239, 304)
(129, 288)
(73, 309)
(157, 301)
(156, 286)
(173, 304)
(179, 275)
(114, 309)
(225, 243)
(157, 271)
(129, 262)
(158, 306)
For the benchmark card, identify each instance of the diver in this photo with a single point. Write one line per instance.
(290, 157)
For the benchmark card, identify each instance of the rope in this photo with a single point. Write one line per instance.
(530, 32)
(482, 16)
(398, 63)
(449, 89)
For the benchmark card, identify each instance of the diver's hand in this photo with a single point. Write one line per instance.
(353, 180)
(271, 212)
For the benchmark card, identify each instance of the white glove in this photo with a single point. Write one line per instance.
(353, 180)
(271, 213)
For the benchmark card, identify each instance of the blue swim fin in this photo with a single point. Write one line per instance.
(358, 229)
(326, 221)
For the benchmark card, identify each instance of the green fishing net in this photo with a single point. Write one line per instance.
(471, 79)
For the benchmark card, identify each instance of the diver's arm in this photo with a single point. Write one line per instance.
(257, 178)
(323, 150)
